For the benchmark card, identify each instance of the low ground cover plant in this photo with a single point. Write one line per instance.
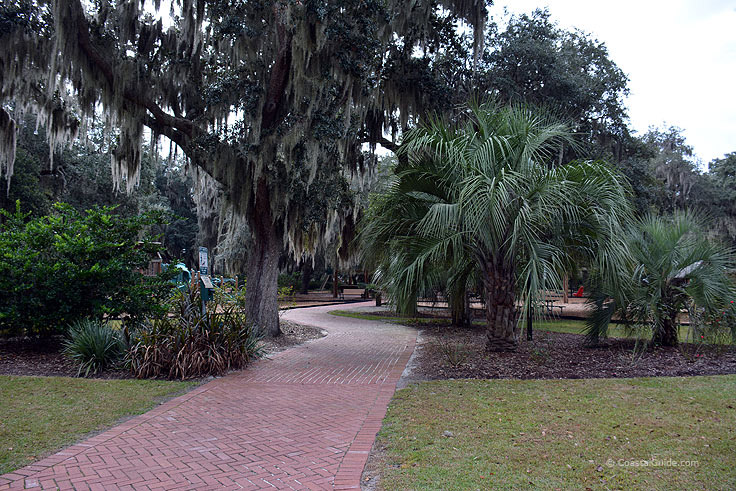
(94, 346)
(190, 343)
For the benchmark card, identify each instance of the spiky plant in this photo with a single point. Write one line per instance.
(674, 268)
(93, 345)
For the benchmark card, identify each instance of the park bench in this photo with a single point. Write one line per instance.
(360, 292)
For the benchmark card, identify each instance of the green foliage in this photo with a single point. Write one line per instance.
(535, 61)
(673, 268)
(483, 198)
(25, 186)
(60, 268)
(290, 280)
(189, 344)
(82, 178)
(93, 346)
(721, 182)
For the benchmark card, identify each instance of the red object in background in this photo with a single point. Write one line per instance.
(578, 293)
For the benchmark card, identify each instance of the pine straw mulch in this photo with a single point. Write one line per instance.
(449, 353)
(23, 356)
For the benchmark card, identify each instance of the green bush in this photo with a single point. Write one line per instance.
(93, 346)
(189, 344)
(68, 266)
(293, 280)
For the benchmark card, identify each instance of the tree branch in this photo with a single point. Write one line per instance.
(131, 95)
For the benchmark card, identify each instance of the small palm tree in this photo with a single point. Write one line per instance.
(483, 197)
(673, 268)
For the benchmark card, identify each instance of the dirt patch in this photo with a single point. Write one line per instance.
(460, 353)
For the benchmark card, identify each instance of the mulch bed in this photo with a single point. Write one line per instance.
(448, 353)
(44, 358)
(292, 334)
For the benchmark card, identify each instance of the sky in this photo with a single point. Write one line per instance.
(680, 56)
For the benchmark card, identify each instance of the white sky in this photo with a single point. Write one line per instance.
(680, 56)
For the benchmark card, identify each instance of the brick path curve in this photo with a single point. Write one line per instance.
(304, 419)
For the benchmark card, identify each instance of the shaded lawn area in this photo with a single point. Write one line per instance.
(561, 434)
(571, 326)
(566, 326)
(43, 414)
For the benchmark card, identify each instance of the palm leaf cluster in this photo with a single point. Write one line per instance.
(673, 268)
(483, 199)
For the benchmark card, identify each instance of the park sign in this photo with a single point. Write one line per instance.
(203, 266)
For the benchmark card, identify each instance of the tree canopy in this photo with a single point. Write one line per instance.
(251, 92)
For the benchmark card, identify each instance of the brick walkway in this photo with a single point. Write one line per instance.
(305, 419)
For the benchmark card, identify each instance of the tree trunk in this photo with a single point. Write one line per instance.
(501, 314)
(529, 320)
(261, 295)
(306, 276)
(667, 336)
(458, 307)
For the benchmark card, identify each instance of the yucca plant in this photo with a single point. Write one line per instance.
(93, 345)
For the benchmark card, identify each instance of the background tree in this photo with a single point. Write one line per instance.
(82, 177)
(721, 178)
(532, 60)
(251, 92)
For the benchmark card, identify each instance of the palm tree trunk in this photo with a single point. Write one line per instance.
(667, 336)
(501, 313)
(458, 307)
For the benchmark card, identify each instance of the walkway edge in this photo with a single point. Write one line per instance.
(351, 468)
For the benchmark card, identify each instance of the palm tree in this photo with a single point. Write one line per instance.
(673, 267)
(483, 195)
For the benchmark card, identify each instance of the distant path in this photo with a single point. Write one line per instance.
(304, 419)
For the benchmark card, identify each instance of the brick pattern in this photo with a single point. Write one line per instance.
(304, 419)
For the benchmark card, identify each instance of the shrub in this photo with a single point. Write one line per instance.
(57, 269)
(293, 280)
(93, 346)
(189, 344)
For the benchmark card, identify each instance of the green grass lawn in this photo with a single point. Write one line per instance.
(578, 327)
(42, 414)
(562, 434)
(570, 326)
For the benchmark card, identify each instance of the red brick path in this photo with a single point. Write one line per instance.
(305, 419)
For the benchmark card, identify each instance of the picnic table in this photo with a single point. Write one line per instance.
(549, 304)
